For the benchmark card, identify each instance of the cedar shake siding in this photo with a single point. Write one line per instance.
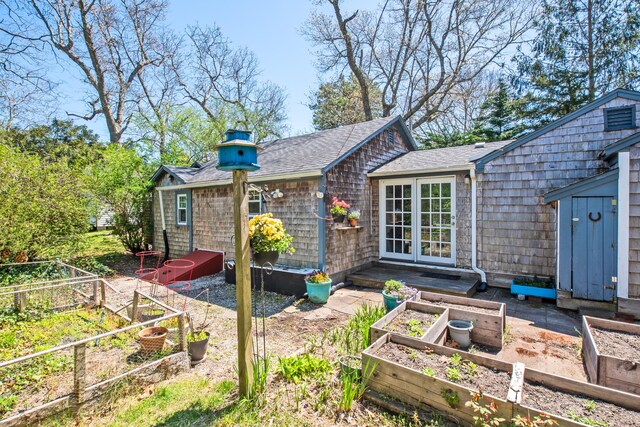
(178, 234)
(348, 249)
(634, 221)
(516, 229)
(213, 219)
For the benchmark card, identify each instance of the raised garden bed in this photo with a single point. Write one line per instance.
(422, 321)
(488, 317)
(575, 403)
(611, 353)
(38, 273)
(420, 374)
(63, 345)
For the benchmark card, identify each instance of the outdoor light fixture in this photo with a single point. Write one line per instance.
(319, 194)
(467, 179)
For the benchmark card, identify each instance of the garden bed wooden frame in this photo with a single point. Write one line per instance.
(488, 329)
(423, 391)
(75, 274)
(435, 333)
(605, 370)
(83, 393)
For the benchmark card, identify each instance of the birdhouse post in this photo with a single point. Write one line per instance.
(239, 155)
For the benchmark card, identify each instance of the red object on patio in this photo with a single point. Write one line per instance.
(205, 264)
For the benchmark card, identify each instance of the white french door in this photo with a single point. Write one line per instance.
(417, 220)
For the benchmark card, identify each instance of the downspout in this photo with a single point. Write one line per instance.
(322, 227)
(164, 228)
(474, 232)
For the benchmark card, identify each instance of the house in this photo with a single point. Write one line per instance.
(562, 202)
(197, 201)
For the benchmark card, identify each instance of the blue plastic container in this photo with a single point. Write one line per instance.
(318, 292)
(533, 291)
(390, 302)
(238, 152)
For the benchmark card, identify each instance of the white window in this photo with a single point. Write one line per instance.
(255, 203)
(182, 209)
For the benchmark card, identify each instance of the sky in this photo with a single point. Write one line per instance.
(271, 29)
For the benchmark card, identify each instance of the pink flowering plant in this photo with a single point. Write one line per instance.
(339, 207)
(398, 289)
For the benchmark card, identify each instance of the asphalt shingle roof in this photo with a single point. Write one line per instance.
(298, 154)
(453, 158)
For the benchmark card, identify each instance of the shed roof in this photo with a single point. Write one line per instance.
(300, 156)
(620, 145)
(437, 160)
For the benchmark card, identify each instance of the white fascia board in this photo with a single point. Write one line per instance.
(222, 183)
(461, 168)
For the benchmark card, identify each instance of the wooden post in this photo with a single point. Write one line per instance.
(182, 334)
(20, 301)
(94, 297)
(243, 281)
(79, 377)
(134, 309)
(103, 294)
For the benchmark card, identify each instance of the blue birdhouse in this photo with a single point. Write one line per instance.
(238, 152)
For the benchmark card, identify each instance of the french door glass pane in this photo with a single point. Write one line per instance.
(435, 217)
(398, 217)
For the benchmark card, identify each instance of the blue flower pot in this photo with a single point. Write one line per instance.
(318, 292)
(390, 302)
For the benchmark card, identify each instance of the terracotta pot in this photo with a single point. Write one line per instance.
(261, 258)
(152, 339)
(353, 222)
(338, 218)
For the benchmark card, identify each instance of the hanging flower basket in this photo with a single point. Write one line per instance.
(262, 258)
(268, 239)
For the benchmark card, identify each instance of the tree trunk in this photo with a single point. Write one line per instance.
(592, 85)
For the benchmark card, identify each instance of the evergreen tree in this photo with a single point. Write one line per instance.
(583, 48)
(500, 117)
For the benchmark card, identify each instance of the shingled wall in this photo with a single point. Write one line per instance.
(213, 219)
(634, 221)
(349, 249)
(517, 231)
(178, 234)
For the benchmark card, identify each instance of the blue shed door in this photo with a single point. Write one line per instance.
(593, 253)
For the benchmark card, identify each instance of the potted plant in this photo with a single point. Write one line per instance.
(198, 343)
(318, 286)
(268, 239)
(198, 339)
(172, 326)
(354, 217)
(339, 209)
(535, 287)
(395, 292)
(152, 339)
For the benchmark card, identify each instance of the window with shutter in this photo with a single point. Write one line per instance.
(620, 118)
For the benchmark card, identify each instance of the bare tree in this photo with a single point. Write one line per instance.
(224, 82)
(110, 42)
(418, 52)
(160, 92)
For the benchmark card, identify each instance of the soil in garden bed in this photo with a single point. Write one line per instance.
(463, 307)
(412, 323)
(454, 368)
(578, 408)
(484, 350)
(618, 344)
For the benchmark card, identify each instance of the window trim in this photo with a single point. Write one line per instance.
(631, 107)
(251, 193)
(186, 209)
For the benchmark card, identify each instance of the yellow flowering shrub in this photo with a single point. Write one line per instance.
(267, 234)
